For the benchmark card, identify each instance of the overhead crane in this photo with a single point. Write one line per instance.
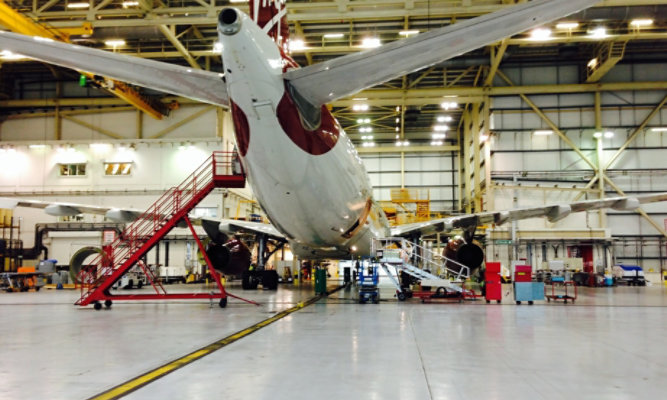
(17, 22)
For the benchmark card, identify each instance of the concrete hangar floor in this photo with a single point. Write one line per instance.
(610, 344)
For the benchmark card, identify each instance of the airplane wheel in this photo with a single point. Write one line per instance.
(108, 303)
(530, 303)
(223, 302)
(270, 280)
(401, 296)
(248, 281)
(498, 301)
(518, 303)
(97, 305)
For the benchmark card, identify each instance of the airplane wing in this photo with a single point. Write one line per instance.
(330, 80)
(196, 84)
(230, 226)
(60, 209)
(553, 213)
(212, 227)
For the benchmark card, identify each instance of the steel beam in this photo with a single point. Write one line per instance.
(497, 53)
(406, 149)
(182, 122)
(636, 132)
(550, 123)
(639, 210)
(17, 22)
(171, 36)
(93, 127)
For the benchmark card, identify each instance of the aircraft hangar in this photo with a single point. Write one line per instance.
(549, 120)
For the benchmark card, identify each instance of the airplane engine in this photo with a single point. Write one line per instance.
(231, 258)
(468, 254)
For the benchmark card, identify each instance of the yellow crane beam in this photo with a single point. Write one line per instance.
(17, 22)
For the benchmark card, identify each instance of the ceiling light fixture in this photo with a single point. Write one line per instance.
(334, 35)
(78, 5)
(540, 34)
(659, 129)
(409, 32)
(543, 132)
(567, 25)
(114, 42)
(599, 33)
(370, 43)
(360, 107)
(638, 23)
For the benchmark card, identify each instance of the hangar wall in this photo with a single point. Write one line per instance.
(544, 169)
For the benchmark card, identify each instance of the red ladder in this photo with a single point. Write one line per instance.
(149, 228)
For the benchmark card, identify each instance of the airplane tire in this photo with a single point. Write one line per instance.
(401, 296)
(108, 303)
(248, 281)
(97, 305)
(223, 302)
(270, 280)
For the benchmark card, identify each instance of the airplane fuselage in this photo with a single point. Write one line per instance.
(311, 183)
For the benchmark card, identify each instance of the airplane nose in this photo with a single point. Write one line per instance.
(229, 21)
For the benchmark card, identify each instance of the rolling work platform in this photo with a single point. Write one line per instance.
(419, 262)
(139, 237)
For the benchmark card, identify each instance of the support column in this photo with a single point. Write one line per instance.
(488, 184)
(600, 167)
(476, 160)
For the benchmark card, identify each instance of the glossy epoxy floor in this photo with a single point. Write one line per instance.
(609, 345)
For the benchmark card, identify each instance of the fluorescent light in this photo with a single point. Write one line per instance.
(217, 47)
(543, 132)
(37, 146)
(444, 118)
(127, 4)
(370, 43)
(436, 143)
(448, 105)
(114, 42)
(609, 134)
(597, 135)
(592, 63)
(483, 138)
(599, 33)
(637, 23)
(659, 129)
(367, 137)
(406, 143)
(368, 144)
(297, 45)
(399, 143)
(360, 107)
(437, 136)
(567, 25)
(333, 35)
(78, 5)
(540, 34)
(365, 129)
(9, 56)
(409, 32)
(397, 129)
(440, 128)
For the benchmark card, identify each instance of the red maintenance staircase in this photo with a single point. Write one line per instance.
(222, 169)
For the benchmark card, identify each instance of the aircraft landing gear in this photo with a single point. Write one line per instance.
(268, 279)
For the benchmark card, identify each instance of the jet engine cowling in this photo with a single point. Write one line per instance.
(468, 254)
(230, 258)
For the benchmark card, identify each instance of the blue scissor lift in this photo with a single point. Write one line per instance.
(368, 283)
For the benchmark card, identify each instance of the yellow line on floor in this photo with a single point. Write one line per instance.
(133, 384)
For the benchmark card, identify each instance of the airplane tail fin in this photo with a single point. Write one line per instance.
(271, 16)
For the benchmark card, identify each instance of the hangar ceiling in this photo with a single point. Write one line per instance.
(405, 109)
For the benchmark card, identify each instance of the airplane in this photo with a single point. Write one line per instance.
(302, 167)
